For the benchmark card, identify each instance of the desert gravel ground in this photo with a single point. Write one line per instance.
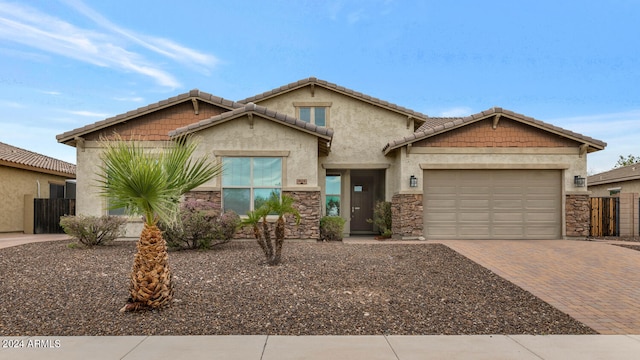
(319, 289)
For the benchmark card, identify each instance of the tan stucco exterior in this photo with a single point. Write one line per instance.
(15, 184)
(264, 138)
(631, 186)
(362, 130)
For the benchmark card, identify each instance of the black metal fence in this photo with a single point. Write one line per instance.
(47, 213)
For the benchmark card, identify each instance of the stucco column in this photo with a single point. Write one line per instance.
(628, 214)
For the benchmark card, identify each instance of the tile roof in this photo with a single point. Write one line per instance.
(625, 173)
(21, 158)
(341, 89)
(193, 94)
(323, 133)
(434, 126)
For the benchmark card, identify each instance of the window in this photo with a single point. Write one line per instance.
(333, 195)
(56, 191)
(118, 211)
(314, 113)
(247, 182)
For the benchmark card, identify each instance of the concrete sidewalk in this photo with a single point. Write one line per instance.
(15, 239)
(263, 347)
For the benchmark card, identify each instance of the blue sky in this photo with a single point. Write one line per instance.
(574, 64)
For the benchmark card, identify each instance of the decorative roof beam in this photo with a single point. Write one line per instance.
(194, 101)
(583, 149)
(313, 90)
(79, 142)
(250, 116)
(409, 121)
(496, 119)
(409, 147)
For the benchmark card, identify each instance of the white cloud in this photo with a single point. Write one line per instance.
(48, 92)
(88, 113)
(161, 46)
(456, 112)
(131, 99)
(113, 48)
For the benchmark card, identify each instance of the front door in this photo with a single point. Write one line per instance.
(362, 195)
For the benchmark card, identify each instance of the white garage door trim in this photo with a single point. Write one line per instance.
(492, 204)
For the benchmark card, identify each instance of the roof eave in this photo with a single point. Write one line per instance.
(68, 138)
(37, 169)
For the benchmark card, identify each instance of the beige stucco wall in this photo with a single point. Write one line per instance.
(632, 186)
(567, 159)
(361, 130)
(236, 138)
(233, 138)
(14, 185)
(88, 200)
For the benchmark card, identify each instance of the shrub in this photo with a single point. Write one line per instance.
(331, 228)
(93, 230)
(382, 218)
(199, 227)
(226, 226)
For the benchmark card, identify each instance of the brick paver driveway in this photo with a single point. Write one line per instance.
(594, 282)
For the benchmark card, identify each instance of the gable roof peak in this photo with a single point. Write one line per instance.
(435, 126)
(336, 88)
(69, 136)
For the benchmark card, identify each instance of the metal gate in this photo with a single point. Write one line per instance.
(47, 213)
(605, 216)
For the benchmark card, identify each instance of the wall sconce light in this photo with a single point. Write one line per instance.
(413, 181)
(579, 181)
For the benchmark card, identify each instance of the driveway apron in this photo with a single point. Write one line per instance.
(596, 283)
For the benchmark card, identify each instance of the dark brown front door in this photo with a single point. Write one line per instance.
(361, 203)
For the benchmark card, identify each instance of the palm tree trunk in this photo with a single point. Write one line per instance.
(259, 239)
(150, 285)
(266, 232)
(279, 240)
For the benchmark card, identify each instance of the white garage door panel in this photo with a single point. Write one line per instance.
(492, 204)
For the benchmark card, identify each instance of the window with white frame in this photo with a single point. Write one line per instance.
(247, 182)
(313, 113)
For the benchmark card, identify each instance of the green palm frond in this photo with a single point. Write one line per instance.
(283, 206)
(150, 182)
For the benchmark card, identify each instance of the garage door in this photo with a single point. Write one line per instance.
(492, 204)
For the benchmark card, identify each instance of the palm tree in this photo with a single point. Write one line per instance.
(257, 218)
(150, 182)
(281, 207)
(253, 219)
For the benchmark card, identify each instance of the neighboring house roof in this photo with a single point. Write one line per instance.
(325, 135)
(312, 81)
(24, 159)
(193, 95)
(436, 126)
(625, 173)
